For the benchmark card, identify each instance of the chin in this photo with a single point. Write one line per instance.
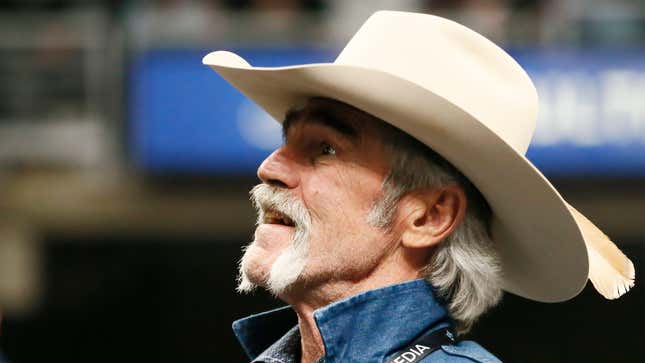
(253, 268)
(277, 275)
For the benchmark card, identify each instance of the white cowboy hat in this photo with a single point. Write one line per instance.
(468, 100)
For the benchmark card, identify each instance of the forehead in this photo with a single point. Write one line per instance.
(343, 118)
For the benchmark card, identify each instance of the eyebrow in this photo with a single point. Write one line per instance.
(321, 117)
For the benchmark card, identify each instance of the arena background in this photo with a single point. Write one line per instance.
(125, 167)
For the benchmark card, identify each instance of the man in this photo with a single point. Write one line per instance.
(400, 204)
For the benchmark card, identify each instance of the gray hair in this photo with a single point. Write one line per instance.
(464, 268)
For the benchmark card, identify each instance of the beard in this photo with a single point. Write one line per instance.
(290, 264)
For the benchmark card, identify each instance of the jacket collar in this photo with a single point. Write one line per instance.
(376, 323)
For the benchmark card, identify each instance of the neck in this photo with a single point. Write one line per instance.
(306, 300)
(311, 343)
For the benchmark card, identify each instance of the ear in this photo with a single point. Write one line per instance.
(431, 215)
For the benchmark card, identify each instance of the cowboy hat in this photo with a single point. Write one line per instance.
(465, 98)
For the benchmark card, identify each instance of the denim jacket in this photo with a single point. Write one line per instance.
(369, 327)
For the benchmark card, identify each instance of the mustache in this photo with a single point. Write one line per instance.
(266, 198)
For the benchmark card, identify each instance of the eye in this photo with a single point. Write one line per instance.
(327, 149)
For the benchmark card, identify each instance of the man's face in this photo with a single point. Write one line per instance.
(329, 172)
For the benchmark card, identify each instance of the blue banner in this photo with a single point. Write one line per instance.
(592, 111)
(184, 118)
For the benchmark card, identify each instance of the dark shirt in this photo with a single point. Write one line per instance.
(368, 327)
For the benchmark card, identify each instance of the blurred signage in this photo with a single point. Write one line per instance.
(183, 118)
(592, 111)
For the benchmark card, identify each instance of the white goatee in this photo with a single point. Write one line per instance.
(291, 262)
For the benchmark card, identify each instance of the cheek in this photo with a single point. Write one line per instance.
(360, 189)
(342, 200)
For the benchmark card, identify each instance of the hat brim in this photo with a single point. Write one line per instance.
(543, 253)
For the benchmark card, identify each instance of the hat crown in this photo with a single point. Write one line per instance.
(453, 62)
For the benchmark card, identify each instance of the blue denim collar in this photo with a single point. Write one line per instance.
(365, 327)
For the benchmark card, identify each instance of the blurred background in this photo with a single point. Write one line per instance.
(125, 166)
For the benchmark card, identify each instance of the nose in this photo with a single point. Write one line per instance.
(278, 170)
